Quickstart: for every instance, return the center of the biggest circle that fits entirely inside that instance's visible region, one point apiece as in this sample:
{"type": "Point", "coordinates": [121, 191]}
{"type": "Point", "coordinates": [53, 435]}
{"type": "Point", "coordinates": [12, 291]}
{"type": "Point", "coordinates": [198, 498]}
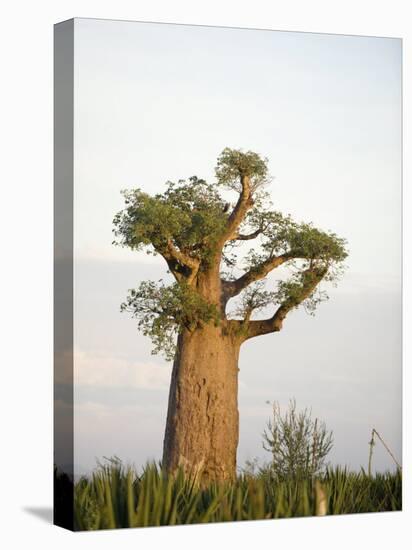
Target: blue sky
{"type": "Point", "coordinates": [159, 102]}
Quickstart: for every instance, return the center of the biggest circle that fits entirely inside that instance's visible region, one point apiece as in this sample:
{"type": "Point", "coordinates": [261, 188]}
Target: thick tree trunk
{"type": "Point", "coordinates": [202, 428]}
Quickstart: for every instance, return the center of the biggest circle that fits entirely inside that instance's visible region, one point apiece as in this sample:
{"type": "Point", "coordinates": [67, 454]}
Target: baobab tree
{"type": "Point", "coordinates": [217, 296]}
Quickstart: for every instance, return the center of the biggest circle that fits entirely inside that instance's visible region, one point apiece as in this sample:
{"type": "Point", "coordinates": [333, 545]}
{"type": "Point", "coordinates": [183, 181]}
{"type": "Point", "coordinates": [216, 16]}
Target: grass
{"type": "Point", "coordinates": [115, 497]}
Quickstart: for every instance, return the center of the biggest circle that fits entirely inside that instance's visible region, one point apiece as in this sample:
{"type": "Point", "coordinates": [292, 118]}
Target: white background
{"type": "Point", "coordinates": [26, 286]}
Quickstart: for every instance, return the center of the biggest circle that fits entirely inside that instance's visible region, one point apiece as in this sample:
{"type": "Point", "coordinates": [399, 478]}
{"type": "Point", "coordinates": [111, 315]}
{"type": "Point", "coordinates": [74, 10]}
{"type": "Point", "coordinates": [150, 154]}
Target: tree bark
{"type": "Point", "coordinates": [202, 428]}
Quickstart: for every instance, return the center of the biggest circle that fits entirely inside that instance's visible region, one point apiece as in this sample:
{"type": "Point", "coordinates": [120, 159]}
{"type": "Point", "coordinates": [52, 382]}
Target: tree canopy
{"type": "Point", "coordinates": [203, 234]}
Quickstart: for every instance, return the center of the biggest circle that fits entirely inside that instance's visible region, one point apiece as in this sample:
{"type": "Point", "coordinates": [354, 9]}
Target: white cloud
{"type": "Point", "coordinates": [101, 370]}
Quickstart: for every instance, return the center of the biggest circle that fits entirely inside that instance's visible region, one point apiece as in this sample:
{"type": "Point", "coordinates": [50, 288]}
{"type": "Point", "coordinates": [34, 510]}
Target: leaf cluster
{"type": "Point", "coordinates": [281, 235]}
{"type": "Point", "coordinates": [289, 292]}
{"type": "Point", "coordinates": [190, 214]}
{"type": "Point", "coordinates": [234, 164]}
{"type": "Point", "coordinates": [161, 310]}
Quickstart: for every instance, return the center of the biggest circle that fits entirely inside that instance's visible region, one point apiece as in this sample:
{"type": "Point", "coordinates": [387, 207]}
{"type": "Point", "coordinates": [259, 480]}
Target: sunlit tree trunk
{"type": "Point", "coordinates": [202, 428]}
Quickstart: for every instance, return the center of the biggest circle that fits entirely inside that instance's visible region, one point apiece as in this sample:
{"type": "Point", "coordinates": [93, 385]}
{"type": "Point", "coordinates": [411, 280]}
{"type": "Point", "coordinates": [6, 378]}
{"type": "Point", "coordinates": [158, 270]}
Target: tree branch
{"type": "Point", "coordinates": [275, 323]}
{"type": "Point", "coordinates": [181, 265]}
{"type": "Point", "coordinates": [244, 203]}
{"type": "Point", "coordinates": [184, 259]}
{"type": "Point", "coordinates": [249, 237]}
{"type": "Point", "coordinates": [173, 267]}
{"type": "Point", "coordinates": [233, 288]}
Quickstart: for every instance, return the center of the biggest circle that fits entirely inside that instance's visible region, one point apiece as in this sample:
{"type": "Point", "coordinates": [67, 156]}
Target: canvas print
{"type": "Point", "coordinates": [227, 274]}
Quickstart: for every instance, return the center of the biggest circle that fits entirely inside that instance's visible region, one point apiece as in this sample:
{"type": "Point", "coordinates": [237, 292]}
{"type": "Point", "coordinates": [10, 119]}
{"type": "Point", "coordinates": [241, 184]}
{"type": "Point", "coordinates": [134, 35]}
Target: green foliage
{"type": "Point", "coordinates": [281, 235]}
{"type": "Point", "coordinates": [188, 225]}
{"type": "Point", "coordinates": [233, 164]}
{"type": "Point", "coordinates": [350, 491]}
{"type": "Point", "coordinates": [311, 243]}
{"type": "Point", "coordinates": [161, 310]}
{"type": "Point", "coordinates": [189, 213]}
{"type": "Point", "coordinates": [308, 249]}
{"type": "Point", "coordinates": [289, 292]}
{"type": "Point", "coordinates": [298, 444]}
{"type": "Point", "coordinates": [117, 497]}
{"type": "Point", "coordinates": [204, 206]}
{"type": "Point", "coordinates": [254, 299]}
{"type": "Point", "coordinates": [147, 221]}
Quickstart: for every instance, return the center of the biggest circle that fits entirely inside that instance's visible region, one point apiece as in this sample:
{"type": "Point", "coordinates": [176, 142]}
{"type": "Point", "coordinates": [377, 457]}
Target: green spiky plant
{"type": "Point", "coordinates": [115, 496]}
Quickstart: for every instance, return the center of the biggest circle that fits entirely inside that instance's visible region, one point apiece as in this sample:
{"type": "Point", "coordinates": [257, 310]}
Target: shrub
{"type": "Point", "coordinates": [298, 444]}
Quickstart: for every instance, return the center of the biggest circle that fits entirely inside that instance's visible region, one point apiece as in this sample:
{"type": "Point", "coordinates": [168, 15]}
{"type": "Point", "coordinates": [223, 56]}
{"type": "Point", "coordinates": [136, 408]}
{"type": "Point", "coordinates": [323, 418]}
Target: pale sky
{"type": "Point", "coordinates": [156, 102]}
